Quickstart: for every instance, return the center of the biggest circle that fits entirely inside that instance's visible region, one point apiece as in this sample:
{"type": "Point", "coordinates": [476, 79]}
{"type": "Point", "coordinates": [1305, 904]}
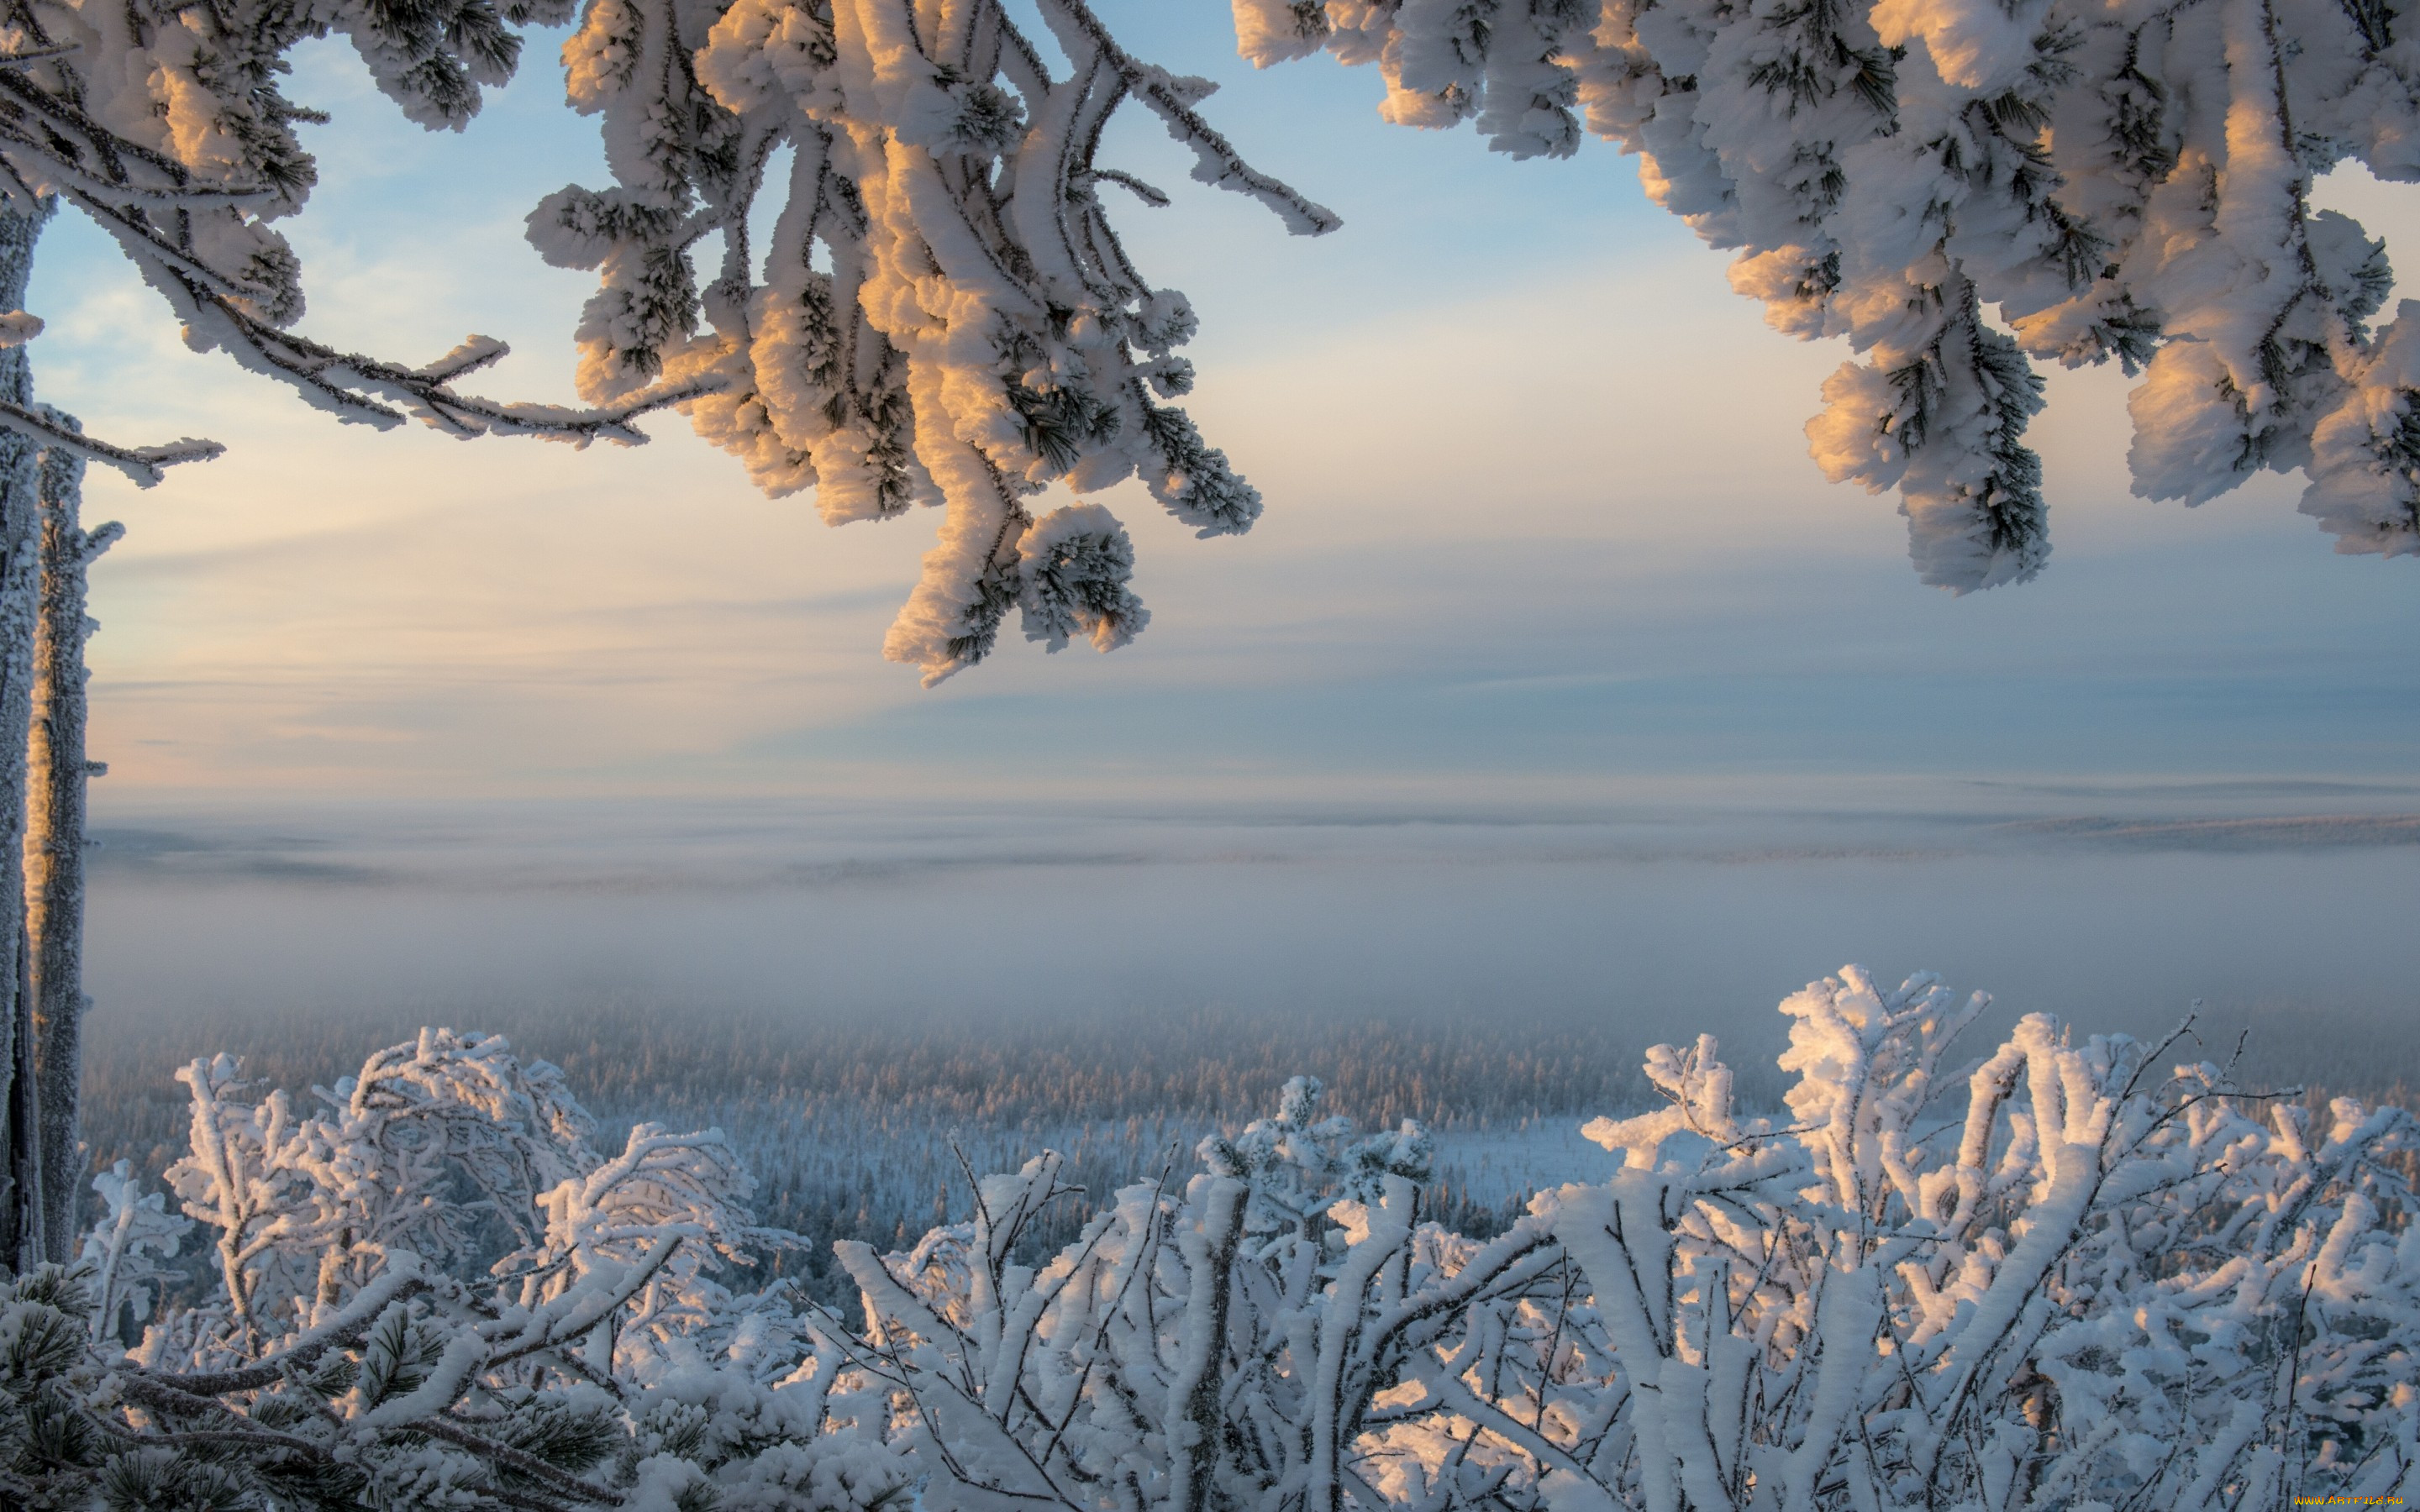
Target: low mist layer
{"type": "Point", "coordinates": [860, 994]}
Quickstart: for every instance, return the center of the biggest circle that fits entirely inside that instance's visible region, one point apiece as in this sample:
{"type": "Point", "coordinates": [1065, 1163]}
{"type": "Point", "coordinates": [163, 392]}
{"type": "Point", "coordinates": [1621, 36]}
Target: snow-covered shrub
{"type": "Point", "coordinates": [2068, 1274]}
{"type": "Point", "coordinates": [431, 1292]}
{"type": "Point", "coordinates": [2096, 1283]}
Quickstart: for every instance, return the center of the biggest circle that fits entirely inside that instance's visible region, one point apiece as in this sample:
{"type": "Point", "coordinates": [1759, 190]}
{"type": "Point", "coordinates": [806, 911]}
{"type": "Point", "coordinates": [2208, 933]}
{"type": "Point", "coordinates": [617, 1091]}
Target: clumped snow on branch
{"type": "Point", "coordinates": [2073, 1274]}
{"type": "Point", "coordinates": [945, 314]}
{"type": "Point", "coordinates": [169, 129]}
{"type": "Point", "coordinates": [2125, 181]}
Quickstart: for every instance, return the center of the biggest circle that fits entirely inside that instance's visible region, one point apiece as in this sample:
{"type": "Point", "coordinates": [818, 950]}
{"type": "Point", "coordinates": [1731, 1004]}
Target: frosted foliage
{"type": "Point", "coordinates": [944, 316]}
{"type": "Point", "coordinates": [2094, 1284]}
{"type": "Point", "coordinates": [1300, 1165]}
{"type": "Point", "coordinates": [1962, 188]}
{"type": "Point", "coordinates": [127, 1249]}
{"type": "Point", "coordinates": [2073, 1274]}
{"type": "Point", "coordinates": [366, 1344]}
{"type": "Point", "coordinates": [170, 128]}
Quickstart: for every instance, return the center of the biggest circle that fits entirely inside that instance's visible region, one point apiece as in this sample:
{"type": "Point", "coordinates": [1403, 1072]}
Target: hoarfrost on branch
{"type": "Point", "coordinates": [2081, 1272]}
{"type": "Point", "coordinates": [2126, 181]}
{"type": "Point", "coordinates": [946, 314]}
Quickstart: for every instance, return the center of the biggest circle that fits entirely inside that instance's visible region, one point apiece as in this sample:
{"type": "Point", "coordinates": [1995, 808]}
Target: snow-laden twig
{"type": "Point", "coordinates": [145, 465]}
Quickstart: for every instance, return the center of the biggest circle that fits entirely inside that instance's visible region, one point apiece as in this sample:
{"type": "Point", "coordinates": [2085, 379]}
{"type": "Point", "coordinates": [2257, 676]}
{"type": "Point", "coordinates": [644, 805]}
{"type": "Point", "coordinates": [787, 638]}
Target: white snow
{"type": "Point", "coordinates": [1840, 1305]}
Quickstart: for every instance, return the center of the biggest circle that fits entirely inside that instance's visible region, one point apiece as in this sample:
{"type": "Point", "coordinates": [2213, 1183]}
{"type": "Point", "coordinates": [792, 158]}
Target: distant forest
{"type": "Point", "coordinates": [854, 1132]}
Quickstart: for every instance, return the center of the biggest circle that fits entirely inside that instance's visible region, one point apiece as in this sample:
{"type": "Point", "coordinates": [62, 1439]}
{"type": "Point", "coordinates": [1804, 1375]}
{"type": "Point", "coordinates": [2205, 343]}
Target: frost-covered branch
{"type": "Point", "coordinates": [945, 314]}
{"type": "Point", "coordinates": [2127, 183]}
{"type": "Point", "coordinates": [142, 464]}
{"type": "Point", "coordinates": [221, 312]}
{"type": "Point", "coordinates": [169, 130]}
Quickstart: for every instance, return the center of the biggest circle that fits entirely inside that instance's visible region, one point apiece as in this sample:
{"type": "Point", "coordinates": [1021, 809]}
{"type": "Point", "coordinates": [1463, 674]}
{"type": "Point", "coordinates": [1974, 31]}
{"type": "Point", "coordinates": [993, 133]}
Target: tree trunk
{"type": "Point", "coordinates": [21, 1150]}
{"type": "Point", "coordinates": [54, 840]}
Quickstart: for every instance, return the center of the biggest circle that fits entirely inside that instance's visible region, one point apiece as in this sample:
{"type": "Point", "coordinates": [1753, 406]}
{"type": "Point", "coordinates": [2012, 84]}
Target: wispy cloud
{"type": "Point", "coordinates": [2316, 832]}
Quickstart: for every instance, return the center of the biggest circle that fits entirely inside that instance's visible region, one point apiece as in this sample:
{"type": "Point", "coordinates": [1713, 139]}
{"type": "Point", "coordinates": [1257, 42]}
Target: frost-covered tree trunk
{"type": "Point", "coordinates": [19, 579]}
{"type": "Point", "coordinates": [55, 835]}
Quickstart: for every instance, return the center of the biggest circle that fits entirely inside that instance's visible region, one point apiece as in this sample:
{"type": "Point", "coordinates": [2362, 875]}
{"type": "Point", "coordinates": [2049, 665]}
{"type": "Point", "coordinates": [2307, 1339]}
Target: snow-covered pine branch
{"type": "Point", "coordinates": [168, 129]}
{"type": "Point", "coordinates": [2072, 1274]}
{"type": "Point", "coordinates": [2127, 181]}
{"type": "Point", "coordinates": [946, 314]}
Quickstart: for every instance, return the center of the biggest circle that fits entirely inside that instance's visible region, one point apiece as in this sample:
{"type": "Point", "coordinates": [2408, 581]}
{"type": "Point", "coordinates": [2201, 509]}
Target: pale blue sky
{"type": "Point", "coordinates": [1538, 517]}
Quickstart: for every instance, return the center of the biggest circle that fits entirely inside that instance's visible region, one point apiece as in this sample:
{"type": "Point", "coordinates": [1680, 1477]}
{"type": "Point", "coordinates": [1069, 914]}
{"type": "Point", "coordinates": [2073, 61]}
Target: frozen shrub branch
{"type": "Point", "coordinates": [2071, 1273]}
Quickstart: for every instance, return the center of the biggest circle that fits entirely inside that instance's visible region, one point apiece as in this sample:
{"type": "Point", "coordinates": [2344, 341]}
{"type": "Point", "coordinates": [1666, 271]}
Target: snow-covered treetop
{"type": "Point", "coordinates": [2073, 1273]}
{"type": "Point", "coordinates": [2127, 180]}
{"type": "Point", "coordinates": [1302, 1166]}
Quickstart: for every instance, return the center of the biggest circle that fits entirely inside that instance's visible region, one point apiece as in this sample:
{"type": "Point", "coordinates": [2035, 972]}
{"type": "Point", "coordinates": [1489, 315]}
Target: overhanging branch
{"type": "Point", "coordinates": [141, 463]}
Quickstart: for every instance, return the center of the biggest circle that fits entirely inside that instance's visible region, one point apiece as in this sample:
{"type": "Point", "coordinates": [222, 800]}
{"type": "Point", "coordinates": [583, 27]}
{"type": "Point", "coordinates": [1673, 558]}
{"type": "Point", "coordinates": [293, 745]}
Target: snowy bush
{"type": "Point", "coordinates": [431, 1291]}
{"type": "Point", "coordinates": [2068, 1275]}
